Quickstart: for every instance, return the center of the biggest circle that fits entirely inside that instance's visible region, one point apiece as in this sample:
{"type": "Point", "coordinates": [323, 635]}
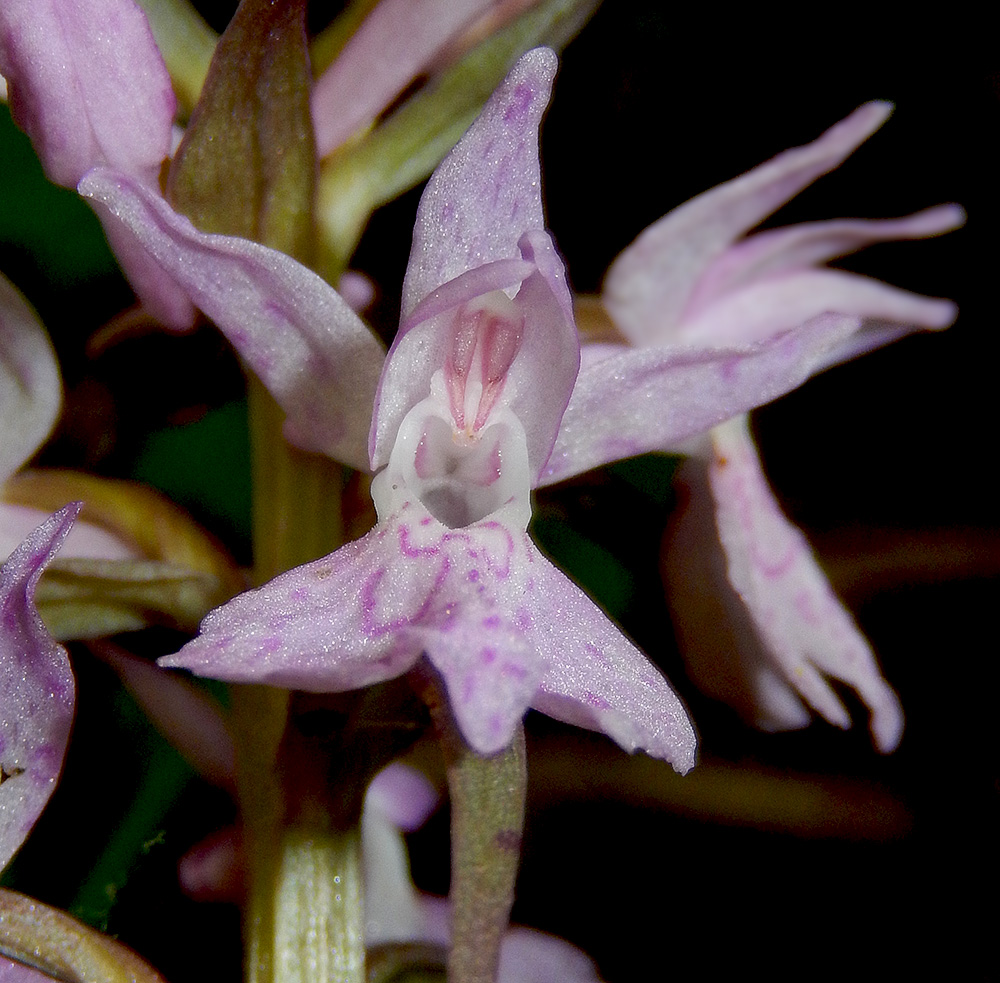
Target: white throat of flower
{"type": "Point", "coordinates": [461, 451]}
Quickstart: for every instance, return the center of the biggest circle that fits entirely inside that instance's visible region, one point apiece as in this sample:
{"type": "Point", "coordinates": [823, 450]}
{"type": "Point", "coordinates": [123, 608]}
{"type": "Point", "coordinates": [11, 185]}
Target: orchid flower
{"type": "Point", "coordinates": [467, 408]}
{"type": "Point", "coordinates": [714, 325]}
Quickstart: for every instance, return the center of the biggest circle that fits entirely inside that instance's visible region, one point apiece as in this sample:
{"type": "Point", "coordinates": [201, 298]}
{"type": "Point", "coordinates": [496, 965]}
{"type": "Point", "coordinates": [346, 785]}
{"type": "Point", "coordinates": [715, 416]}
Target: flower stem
{"type": "Point", "coordinates": [297, 496]}
{"type": "Point", "coordinates": [487, 818]}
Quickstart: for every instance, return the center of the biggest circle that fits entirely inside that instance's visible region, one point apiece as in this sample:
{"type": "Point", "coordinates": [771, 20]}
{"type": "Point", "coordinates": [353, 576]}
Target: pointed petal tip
{"type": "Point", "coordinates": [887, 723]}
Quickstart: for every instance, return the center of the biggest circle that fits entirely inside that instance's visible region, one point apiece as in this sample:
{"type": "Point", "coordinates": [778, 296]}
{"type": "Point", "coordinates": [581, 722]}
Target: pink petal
{"type": "Point", "coordinates": [486, 194]}
{"type": "Point", "coordinates": [527, 956]}
{"type": "Point", "coordinates": [403, 795]}
{"type": "Point", "coordinates": [596, 678]}
{"type": "Point", "coordinates": [798, 247]}
{"type": "Point", "coordinates": [84, 540]}
{"type": "Point", "coordinates": [539, 381]}
{"type": "Point", "coordinates": [87, 83]}
{"type": "Point", "coordinates": [652, 281]}
{"type": "Point", "coordinates": [160, 295]}
{"type": "Point", "coordinates": [769, 307]}
{"type": "Point", "coordinates": [315, 355]}
{"type": "Point", "coordinates": [36, 687]}
{"type": "Point", "coordinates": [635, 400]}
{"type": "Point", "coordinates": [30, 388]}
{"type": "Point", "coordinates": [803, 631]}
{"type": "Point", "coordinates": [396, 42]}
{"type": "Point", "coordinates": [186, 716]}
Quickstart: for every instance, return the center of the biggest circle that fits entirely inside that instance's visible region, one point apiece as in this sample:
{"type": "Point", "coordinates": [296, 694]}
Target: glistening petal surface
{"type": "Point", "coordinates": [36, 687]}
{"type": "Point", "coordinates": [315, 355]}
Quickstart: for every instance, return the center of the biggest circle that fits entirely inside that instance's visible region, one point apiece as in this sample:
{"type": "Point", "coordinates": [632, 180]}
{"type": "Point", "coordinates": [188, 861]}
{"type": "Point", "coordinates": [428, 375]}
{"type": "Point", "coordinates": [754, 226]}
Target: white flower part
{"type": "Point", "coordinates": [461, 451]}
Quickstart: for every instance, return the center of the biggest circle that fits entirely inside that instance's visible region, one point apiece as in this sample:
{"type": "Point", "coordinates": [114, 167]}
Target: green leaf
{"type": "Point", "coordinates": [247, 163]}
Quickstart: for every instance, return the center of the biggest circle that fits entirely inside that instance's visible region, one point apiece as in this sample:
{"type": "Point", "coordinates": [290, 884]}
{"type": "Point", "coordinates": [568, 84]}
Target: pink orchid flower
{"type": "Point", "coordinates": [467, 408]}
{"type": "Point", "coordinates": [36, 687]}
{"type": "Point", "coordinates": [715, 324]}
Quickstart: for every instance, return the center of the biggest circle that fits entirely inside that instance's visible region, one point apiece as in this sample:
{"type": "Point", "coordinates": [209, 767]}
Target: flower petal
{"type": "Point", "coordinates": [393, 45]}
{"type": "Point", "coordinates": [635, 400]}
{"type": "Point", "coordinates": [36, 688]}
{"type": "Point", "coordinates": [87, 83]}
{"type": "Point", "coordinates": [798, 247]}
{"type": "Point", "coordinates": [187, 717]}
{"type": "Point", "coordinates": [315, 355]}
{"type": "Point", "coordinates": [651, 282]}
{"type": "Point", "coordinates": [30, 388]}
{"type": "Point", "coordinates": [804, 630]}
{"type": "Point", "coordinates": [596, 678]}
{"type": "Point", "coordinates": [769, 307]}
{"type": "Point", "coordinates": [538, 383]}
{"type": "Point", "coordinates": [486, 193]}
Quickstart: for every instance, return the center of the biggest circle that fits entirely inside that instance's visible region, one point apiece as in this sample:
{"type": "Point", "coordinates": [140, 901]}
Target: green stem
{"type": "Point", "coordinates": [297, 496]}
{"type": "Point", "coordinates": [487, 818]}
{"type": "Point", "coordinates": [319, 922]}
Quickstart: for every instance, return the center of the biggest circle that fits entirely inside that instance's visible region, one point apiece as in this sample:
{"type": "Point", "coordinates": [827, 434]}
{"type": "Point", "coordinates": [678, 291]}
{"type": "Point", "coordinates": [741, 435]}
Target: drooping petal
{"type": "Point", "coordinates": [394, 44]}
{"type": "Point", "coordinates": [36, 688]}
{"type": "Point", "coordinates": [486, 194]}
{"type": "Point", "coordinates": [635, 400]}
{"type": "Point", "coordinates": [87, 83]}
{"type": "Point", "coordinates": [398, 798]}
{"type": "Point", "coordinates": [596, 678]}
{"type": "Point", "coordinates": [30, 388]}
{"type": "Point", "coordinates": [651, 282]}
{"type": "Point", "coordinates": [767, 254]}
{"type": "Point", "coordinates": [315, 355]}
{"type": "Point", "coordinates": [803, 628]}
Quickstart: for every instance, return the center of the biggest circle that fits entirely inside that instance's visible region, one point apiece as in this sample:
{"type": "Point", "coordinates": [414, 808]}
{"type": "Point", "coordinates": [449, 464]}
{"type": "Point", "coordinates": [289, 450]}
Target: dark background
{"type": "Point", "coordinates": [890, 864]}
